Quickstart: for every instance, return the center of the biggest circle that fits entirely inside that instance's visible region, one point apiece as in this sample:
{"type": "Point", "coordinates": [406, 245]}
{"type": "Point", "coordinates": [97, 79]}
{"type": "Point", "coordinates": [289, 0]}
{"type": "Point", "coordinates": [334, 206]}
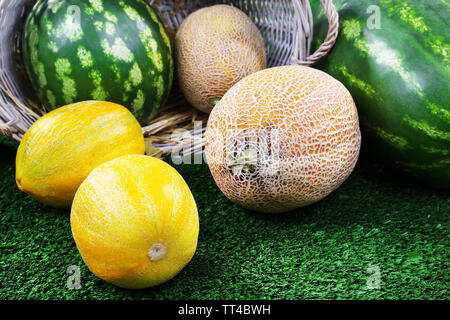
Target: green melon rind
{"type": "Point", "coordinates": [398, 76]}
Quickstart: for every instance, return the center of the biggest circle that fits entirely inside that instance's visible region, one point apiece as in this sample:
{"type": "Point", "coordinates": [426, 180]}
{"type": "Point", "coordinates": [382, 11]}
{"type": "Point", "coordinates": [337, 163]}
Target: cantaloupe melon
{"type": "Point", "coordinates": [283, 138]}
{"type": "Point", "coordinates": [216, 47]}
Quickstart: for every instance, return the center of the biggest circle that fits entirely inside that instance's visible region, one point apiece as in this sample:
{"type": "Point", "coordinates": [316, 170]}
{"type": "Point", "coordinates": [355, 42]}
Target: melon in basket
{"type": "Point", "coordinates": [82, 50]}
{"type": "Point", "coordinates": [216, 47]}
{"type": "Point", "coordinates": [283, 138]}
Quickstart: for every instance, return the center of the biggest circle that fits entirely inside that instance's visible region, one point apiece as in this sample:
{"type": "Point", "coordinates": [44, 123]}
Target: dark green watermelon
{"type": "Point", "coordinates": [119, 51]}
{"type": "Point", "coordinates": [394, 57]}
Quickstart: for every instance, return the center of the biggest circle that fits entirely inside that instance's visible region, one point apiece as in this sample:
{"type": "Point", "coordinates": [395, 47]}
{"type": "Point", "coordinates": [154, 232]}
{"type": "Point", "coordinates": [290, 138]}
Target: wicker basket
{"type": "Point", "coordinates": [286, 25]}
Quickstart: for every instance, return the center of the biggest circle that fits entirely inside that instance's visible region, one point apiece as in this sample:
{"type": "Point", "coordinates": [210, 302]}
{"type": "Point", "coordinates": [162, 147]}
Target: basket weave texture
{"type": "Point", "coordinates": [286, 26]}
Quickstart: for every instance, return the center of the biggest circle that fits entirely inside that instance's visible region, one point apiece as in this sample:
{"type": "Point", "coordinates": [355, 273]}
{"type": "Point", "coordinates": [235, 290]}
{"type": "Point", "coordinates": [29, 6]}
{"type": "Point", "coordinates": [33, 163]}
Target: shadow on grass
{"type": "Point", "coordinates": [8, 149]}
{"type": "Point", "coordinates": [198, 271]}
{"type": "Point", "coordinates": [374, 169]}
{"type": "Point", "coordinates": [374, 193]}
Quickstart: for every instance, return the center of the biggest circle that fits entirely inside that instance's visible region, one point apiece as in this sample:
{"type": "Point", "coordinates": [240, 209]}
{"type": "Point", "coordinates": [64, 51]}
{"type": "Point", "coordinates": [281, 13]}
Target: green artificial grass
{"type": "Point", "coordinates": [319, 252]}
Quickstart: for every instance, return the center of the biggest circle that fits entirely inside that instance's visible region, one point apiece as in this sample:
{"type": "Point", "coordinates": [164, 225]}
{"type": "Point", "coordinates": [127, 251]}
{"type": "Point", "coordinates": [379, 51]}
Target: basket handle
{"type": "Point", "coordinates": [304, 17]}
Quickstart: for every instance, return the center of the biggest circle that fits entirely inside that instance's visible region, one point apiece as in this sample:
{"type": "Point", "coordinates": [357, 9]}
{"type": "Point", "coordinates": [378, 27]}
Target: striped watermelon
{"type": "Point", "coordinates": [119, 51]}
{"type": "Point", "coordinates": [393, 56]}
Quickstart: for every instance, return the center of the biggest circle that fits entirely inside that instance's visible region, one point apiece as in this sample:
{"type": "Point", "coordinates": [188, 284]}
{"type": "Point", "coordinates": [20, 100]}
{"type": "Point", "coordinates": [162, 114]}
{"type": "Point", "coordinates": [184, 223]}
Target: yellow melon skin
{"type": "Point", "coordinates": [60, 149]}
{"type": "Point", "coordinates": [216, 47]}
{"type": "Point", "coordinates": [135, 222]}
{"type": "Point", "coordinates": [283, 138]}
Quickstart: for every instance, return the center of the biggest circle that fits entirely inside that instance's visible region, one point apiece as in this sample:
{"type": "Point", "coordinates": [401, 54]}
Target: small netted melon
{"type": "Point", "coordinates": [216, 47]}
{"type": "Point", "coordinates": [283, 138]}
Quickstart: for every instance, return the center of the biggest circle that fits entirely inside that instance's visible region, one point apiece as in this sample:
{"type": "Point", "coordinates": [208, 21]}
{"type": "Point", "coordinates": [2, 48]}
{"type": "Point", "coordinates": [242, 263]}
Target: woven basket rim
{"type": "Point", "coordinates": [17, 113]}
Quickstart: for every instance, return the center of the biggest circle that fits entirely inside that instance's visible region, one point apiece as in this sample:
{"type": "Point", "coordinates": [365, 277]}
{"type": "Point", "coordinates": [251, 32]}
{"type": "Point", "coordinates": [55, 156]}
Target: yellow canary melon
{"type": "Point", "coordinates": [216, 47]}
{"type": "Point", "coordinates": [60, 149]}
{"type": "Point", "coordinates": [135, 222]}
{"type": "Point", "coordinates": [283, 138]}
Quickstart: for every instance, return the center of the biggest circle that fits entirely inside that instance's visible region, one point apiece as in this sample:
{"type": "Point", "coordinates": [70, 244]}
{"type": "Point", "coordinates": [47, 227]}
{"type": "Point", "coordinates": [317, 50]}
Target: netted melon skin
{"type": "Point", "coordinates": [304, 126]}
{"type": "Point", "coordinates": [216, 47]}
